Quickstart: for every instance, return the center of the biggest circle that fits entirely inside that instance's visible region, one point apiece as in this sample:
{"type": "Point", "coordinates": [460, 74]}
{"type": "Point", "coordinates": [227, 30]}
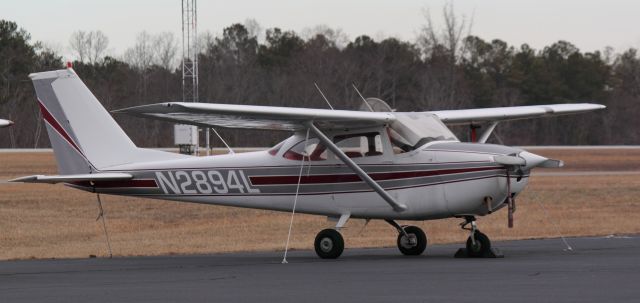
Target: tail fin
{"type": "Point", "coordinates": [83, 135]}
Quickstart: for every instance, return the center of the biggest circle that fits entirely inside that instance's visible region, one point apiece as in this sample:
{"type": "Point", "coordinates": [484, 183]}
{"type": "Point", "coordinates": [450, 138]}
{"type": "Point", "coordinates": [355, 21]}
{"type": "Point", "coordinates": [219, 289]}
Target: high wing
{"type": "Point", "coordinates": [257, 117]}
{"type": "Point", "coordinates": [494, 114]}
{"type": "Point", "coordinates": [292, 118]}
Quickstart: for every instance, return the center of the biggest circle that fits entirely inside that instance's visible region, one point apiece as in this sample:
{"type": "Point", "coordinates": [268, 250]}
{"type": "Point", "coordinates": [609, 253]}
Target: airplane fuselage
{"type": "Point", "coordinates": [439, 180]}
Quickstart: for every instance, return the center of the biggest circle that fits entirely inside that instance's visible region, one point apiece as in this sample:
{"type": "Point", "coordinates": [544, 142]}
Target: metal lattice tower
{"type": "Point", "coordinates": [190, 52]}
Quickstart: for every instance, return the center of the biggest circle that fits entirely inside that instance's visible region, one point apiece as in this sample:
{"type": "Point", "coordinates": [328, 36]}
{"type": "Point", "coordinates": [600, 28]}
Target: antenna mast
{"type": "Point", "coordinates": [190, 53]}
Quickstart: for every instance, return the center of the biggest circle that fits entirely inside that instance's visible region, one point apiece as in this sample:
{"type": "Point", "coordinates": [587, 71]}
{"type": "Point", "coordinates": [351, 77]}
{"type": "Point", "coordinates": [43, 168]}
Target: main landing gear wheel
{"type": "Point", "coordinates": [329, 244]}
{"type": "Point", "coordinates": [479, 246]}
{"type": "Point", "coordinates": [413, 245]}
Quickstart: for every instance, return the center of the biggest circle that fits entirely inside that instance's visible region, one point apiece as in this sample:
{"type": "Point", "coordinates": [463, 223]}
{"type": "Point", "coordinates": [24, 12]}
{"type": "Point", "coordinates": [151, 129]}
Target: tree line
{"type": "Point", "coordinates": [446, 68]}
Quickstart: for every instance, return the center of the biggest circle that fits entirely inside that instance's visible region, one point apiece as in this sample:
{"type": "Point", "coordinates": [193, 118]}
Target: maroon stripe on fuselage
{"type": "Point", "coordinates": [342, 178]}
{"type": "Point", "coordinates": [118, 184]}
{"type": "Point", "coordinates": [54, 123]}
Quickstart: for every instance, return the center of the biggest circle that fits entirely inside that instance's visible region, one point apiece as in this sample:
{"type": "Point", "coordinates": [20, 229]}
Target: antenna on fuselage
{"type": "Point", "coordinates": [323, 96]}
{"type": "Point", "coordinates": [361, 96]}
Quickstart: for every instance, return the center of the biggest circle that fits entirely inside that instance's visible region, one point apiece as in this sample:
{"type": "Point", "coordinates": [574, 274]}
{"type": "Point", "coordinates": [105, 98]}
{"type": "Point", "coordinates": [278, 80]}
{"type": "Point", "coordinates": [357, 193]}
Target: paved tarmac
{"type": "Point", "coordinates": [604, 269]}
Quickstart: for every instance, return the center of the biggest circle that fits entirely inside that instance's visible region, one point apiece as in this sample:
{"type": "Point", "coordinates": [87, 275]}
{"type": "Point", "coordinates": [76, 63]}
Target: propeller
{"type": "Point", "coordinates": [521, 161]}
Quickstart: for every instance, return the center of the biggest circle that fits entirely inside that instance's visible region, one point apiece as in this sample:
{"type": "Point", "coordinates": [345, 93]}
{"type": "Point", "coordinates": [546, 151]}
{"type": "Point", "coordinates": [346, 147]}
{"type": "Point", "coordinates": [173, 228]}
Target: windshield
{"type": "Point", "coordinates": [412, 130]}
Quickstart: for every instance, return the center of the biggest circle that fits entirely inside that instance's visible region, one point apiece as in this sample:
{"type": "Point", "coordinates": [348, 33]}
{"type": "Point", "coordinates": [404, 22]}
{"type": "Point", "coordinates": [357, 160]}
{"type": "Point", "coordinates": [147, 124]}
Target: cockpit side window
{"type": "Point", "coordinates": [360, 145]}
{"type": "Point", "coordinates": [398, 143]}
{"type": "Point", "coordinates": [314, 151]}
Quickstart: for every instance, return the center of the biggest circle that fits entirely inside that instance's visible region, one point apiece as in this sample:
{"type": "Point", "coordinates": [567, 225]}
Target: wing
{"type": "Point", "coordinates": [467, 116]}
{"type": "Point", "coordinates": [257, 117]}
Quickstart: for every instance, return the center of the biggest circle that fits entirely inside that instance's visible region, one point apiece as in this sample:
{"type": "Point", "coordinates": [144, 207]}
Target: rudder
{"type": "Point", "coordinates": [84, 136]}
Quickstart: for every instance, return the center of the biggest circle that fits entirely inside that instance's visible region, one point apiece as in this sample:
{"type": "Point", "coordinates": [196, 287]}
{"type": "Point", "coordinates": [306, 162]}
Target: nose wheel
{"type": "Point", "coordinates": [329, 244]}
{"type": "Point", "coordinates": [478, 244]}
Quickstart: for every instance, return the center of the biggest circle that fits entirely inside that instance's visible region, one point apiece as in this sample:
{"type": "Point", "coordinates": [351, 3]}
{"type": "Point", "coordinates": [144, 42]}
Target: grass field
{"type": "Point", "coordinates": [53, 221]}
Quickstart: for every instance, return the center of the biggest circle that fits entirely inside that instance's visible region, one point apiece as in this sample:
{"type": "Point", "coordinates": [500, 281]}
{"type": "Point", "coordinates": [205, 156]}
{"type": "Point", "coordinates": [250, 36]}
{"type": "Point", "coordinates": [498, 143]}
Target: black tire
{"type": "Point", "coordinates": [329, 244]}
{"type": "Point", "coordinates": [421, 241]}
{"type": "Point", "coordinates": [482, 245]}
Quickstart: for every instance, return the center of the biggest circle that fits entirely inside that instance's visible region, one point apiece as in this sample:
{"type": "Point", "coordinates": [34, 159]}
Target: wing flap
{"type": "Point", "coordinates": [73, 178]}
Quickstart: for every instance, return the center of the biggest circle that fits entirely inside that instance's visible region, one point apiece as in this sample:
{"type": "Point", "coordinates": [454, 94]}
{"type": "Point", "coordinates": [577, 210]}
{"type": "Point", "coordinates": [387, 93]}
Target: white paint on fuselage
{"type": "Point", "coordinates": [423, 203]}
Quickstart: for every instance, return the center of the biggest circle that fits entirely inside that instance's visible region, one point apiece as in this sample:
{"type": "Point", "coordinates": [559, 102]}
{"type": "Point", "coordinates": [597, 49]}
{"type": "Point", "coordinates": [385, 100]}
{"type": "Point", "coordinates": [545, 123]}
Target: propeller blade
{"type": "Point", "coordinates": [509, 160]}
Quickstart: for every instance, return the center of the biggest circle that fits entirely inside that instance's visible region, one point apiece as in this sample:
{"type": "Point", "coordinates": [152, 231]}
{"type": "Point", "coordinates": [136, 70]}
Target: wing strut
{"type": "Point", "coordinates": [485, 135]}
{"type": "Point", "coordinates": [361, 173]}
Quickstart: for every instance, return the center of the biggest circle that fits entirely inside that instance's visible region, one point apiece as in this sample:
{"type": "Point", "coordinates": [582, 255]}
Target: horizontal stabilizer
{"type": "Point", "coordinates": [73, 178]}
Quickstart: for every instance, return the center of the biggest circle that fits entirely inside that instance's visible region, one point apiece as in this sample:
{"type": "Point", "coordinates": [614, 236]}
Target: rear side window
{"type": "Point", "coordinates": [274, 150]}
{"type": "Point", "coordinates": [314, 151]}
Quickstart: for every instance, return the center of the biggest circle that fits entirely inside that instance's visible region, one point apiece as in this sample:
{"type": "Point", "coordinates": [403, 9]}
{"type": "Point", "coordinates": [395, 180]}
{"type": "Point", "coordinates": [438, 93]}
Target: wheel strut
{"type": "Point", "coordinates": [412, 238]}
{"type": "Point", "coordinates": [470, 220]}
{"type": "Point", "coordinates": [478, 244]}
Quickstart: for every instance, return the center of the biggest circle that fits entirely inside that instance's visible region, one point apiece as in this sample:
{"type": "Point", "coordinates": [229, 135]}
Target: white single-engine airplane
{"type": "Point", "coordinates": [338, 163]}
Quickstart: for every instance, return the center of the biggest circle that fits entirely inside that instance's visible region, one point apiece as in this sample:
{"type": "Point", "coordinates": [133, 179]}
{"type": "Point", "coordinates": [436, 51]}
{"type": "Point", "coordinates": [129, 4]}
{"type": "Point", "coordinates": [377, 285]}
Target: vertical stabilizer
{"type": "Point", "coordinates": [84, 136]}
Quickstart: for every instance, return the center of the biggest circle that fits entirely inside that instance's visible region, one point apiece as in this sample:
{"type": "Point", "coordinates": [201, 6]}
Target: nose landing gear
{"type": "Point", "coordinates": [478, 244]}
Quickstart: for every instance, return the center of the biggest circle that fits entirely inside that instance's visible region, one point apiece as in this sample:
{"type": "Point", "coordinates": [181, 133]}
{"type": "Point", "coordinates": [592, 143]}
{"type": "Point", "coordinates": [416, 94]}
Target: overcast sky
{"type": "Point", "coordinates": [591, 25]}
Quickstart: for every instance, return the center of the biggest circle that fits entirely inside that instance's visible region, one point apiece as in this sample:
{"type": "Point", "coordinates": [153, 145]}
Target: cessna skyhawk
{"type": "Point", "coordinates": [337, 163]}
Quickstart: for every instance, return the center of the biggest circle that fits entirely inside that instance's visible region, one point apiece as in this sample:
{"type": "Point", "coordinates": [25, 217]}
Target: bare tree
{"type": "Point", "coordinates": [165, 48]}
{"type": "Point", "coordinates": [89, 46]}
{"type": "Point", "coordinates": [206, 39]}
{"type": "Point", "coordinates": [98, 43]}
{"type": "Point", "coordinates": [450, 37]}
{"type": "Point", "coordinates": [254, 29]}
{"type": "Point", "coordinates": [141, 55]}
{"type": "Point", "coordinates": [446, 43]}
{"type": "Point", "coordinates": [78, 45]}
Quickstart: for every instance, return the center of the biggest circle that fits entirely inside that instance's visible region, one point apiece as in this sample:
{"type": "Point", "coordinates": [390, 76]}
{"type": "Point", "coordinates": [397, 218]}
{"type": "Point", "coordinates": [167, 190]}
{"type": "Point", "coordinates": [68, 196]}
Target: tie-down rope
{"type": "Point", "coordinates": [295, 199]}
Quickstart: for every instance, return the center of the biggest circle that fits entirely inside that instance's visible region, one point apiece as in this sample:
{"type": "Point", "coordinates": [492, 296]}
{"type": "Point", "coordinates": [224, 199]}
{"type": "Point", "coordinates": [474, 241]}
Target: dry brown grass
{"type": "Point", "coordinates": [595, 159]}
{"type": "Point", "coordinates": [53, 221]}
